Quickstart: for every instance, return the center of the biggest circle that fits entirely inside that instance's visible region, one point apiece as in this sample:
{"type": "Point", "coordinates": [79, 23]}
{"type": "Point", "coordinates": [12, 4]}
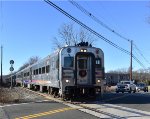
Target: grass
{"type": "Point", "coordinates": [8, 95]}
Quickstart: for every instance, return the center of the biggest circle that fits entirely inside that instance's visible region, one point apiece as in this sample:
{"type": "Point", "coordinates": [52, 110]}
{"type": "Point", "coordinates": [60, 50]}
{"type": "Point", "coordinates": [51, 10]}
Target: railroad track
{"type": "Point", "coordinates": [75, 104]}
{"type": "Point", "coordinates": [99, 108]}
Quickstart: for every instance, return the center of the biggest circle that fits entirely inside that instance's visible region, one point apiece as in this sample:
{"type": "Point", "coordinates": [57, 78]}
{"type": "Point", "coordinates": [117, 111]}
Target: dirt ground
{"type": "Point", "coordinates": [17, 95]}
{"type": "Point", "coordinates": [21, 95]}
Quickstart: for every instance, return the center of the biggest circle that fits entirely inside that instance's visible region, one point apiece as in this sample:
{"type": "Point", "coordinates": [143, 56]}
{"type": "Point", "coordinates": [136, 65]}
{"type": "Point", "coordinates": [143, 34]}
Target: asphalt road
{"type": "Point", "coordinates": [139, 100]}
{"type": "Point", "coordinates": [54, 110]}
{"type": "Point", "coordinates": [44, 110]}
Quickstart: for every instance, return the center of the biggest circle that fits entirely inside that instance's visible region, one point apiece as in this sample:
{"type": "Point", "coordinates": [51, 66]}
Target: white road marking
{"type": "Point", "coordinates": [115, 111]}
{"type": "Point", "coordinates": [104, 110]}
{"type": "Point", "coordinates": [107, 110]}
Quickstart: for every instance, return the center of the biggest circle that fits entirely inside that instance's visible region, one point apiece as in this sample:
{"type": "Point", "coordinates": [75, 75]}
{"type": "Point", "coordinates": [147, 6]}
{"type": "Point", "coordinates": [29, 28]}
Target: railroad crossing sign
{"type": "Point", "coordinates": [11, 68]}
{"type": "Point", "coordinates": [11, 61]}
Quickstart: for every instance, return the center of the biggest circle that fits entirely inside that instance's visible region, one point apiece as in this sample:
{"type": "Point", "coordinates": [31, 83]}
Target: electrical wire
{"type": "Point", "coordinates": [91, 30]}
{"type": "Point", "coordinates": [139, 51]}
{"type": "Point", "coordinates": [82, 9]}
{"type": "Point", "coordinates": [86, 27]}
{"type": "Point", "coordinates": [96, 19]}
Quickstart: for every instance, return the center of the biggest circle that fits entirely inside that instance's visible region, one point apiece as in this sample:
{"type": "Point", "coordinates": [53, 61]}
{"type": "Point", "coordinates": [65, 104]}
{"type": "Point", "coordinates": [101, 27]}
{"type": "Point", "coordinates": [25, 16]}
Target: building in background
{"type": "Point", "coordinates": [114, 78]}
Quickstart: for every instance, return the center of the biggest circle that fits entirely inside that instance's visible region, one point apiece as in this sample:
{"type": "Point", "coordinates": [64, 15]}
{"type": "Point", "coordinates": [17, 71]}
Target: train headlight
{"type": "Point", "coordinates": [83, 50]}
{"type": "Point", "coordinates": [98, 81]}
{"type": "Point", "coordinates": [67, 81]}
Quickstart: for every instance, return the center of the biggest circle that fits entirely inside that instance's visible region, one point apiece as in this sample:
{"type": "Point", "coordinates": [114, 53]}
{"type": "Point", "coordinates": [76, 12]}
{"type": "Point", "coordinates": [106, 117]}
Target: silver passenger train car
{"type": "Point", "coordinates": [72, 71]}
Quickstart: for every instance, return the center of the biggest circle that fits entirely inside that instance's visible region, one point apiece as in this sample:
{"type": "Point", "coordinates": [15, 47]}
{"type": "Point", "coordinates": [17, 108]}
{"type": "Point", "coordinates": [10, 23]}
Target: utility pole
{"type": "Point", "coordinates": [131, 62]}
{"type": "Point", "coordinates": [1, 81]}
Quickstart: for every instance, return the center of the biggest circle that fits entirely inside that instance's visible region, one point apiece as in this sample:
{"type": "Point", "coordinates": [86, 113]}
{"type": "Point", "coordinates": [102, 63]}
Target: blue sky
{"type": "Point", "coordinates": [28, 28]}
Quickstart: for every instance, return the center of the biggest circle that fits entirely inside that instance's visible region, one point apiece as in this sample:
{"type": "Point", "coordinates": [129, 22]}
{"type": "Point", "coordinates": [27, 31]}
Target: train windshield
{"type": "Point", "coordinates": [68, 61]}
{"type": "Point", "coordinates": [82, 63]}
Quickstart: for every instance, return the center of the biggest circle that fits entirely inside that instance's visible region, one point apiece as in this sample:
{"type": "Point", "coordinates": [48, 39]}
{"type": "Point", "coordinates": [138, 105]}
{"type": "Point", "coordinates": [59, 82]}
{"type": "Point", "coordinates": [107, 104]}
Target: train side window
{"type": "Point", "coordinates": [39, 70]}
{"type": "Point", "coordinates": [24, 74]}
{"type": "Point", "coordinates": [68, 61]}
{"type": "Point", "coordinates": [98, 62]}
{"type": "Point", "coordinates": [27, 73]}
{"type": "Point", "coordinates": [47, 69]}
{"type": "Point", "coordinates": [36, 71]}
{"type": "Point", "coordinates": [43, 70]}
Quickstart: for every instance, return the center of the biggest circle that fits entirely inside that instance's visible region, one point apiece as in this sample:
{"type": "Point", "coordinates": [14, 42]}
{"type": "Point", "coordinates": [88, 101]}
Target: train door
{"type": "Point", "coordinates": [85, 69]}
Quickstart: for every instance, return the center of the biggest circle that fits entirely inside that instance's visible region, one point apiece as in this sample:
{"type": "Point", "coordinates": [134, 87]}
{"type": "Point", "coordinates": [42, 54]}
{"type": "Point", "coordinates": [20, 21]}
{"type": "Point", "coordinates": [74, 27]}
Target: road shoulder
{"type": "Point", "coordinates": [3, 114]}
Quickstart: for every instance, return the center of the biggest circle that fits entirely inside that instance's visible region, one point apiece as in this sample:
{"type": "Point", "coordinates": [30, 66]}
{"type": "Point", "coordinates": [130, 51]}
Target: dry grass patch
{"type": "Point", "coordinates": [8, 95]}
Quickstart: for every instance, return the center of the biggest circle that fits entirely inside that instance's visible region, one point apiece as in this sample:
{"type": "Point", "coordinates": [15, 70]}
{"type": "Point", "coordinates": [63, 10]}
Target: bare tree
{"type": "Point", "coordinates": [67, 35]}
{"type": "Point", "coordinates": [31, 61]}
{"type": "Point", "coordinates": [141, 75]}
{"type": "Point", "coordinates": [121, 70]}
{"type": "Point", "coordinates": [85, 36]}
{"type": "Point", "coordinates": [24, 66]}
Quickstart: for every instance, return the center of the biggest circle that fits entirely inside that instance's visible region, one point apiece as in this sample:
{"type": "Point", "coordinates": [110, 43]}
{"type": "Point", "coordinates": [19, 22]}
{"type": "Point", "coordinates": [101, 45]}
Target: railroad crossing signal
{"type": "Point", "coordinates": [11, 68]}
{"type": "Point", "coordinates": [11, 61]}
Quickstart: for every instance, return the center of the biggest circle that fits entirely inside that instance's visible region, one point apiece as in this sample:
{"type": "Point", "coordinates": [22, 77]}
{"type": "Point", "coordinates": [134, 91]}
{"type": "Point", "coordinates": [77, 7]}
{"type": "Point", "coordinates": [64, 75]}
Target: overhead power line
{"type": "Point", "coordinates": [82, 9]}
{"type": "Point", "coordinates": [138, 61]}
{"type": "Point", "coordinates": [91, 30]}
{"type": "Point", "coordinates": [96, 19]}
{"type": "Point", "coordinates": [86, 27]}
{"type": "Point", "coordinates": [104, 25]}
{"type": "Point", "coordinates": [139, 51]}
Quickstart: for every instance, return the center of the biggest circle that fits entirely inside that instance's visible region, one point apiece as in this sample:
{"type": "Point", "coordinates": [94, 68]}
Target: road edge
{"type": "Point", "coordinates": [3, 115]}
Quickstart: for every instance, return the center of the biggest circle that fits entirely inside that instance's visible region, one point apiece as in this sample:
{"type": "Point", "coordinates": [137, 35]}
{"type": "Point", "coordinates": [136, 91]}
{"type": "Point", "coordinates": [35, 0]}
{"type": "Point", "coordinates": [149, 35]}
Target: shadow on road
{"type": "Point", "coordinates": [126, 98]}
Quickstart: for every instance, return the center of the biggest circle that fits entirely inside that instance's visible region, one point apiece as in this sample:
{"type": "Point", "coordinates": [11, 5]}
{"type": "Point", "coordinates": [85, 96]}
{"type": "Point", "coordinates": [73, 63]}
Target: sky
{"type": "Point", "coordinates": [27, 28]}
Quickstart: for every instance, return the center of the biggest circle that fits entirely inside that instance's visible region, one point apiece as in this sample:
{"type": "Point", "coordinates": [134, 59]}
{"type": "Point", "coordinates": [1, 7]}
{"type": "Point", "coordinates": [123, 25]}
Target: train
{"type": "Point", "coordinates": [70, 72]}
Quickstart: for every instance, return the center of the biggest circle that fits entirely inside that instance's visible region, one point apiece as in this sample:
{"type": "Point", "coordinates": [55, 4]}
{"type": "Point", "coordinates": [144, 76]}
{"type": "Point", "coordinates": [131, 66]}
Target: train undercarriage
{"type": "Point", "coordinates": [70, 93]}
